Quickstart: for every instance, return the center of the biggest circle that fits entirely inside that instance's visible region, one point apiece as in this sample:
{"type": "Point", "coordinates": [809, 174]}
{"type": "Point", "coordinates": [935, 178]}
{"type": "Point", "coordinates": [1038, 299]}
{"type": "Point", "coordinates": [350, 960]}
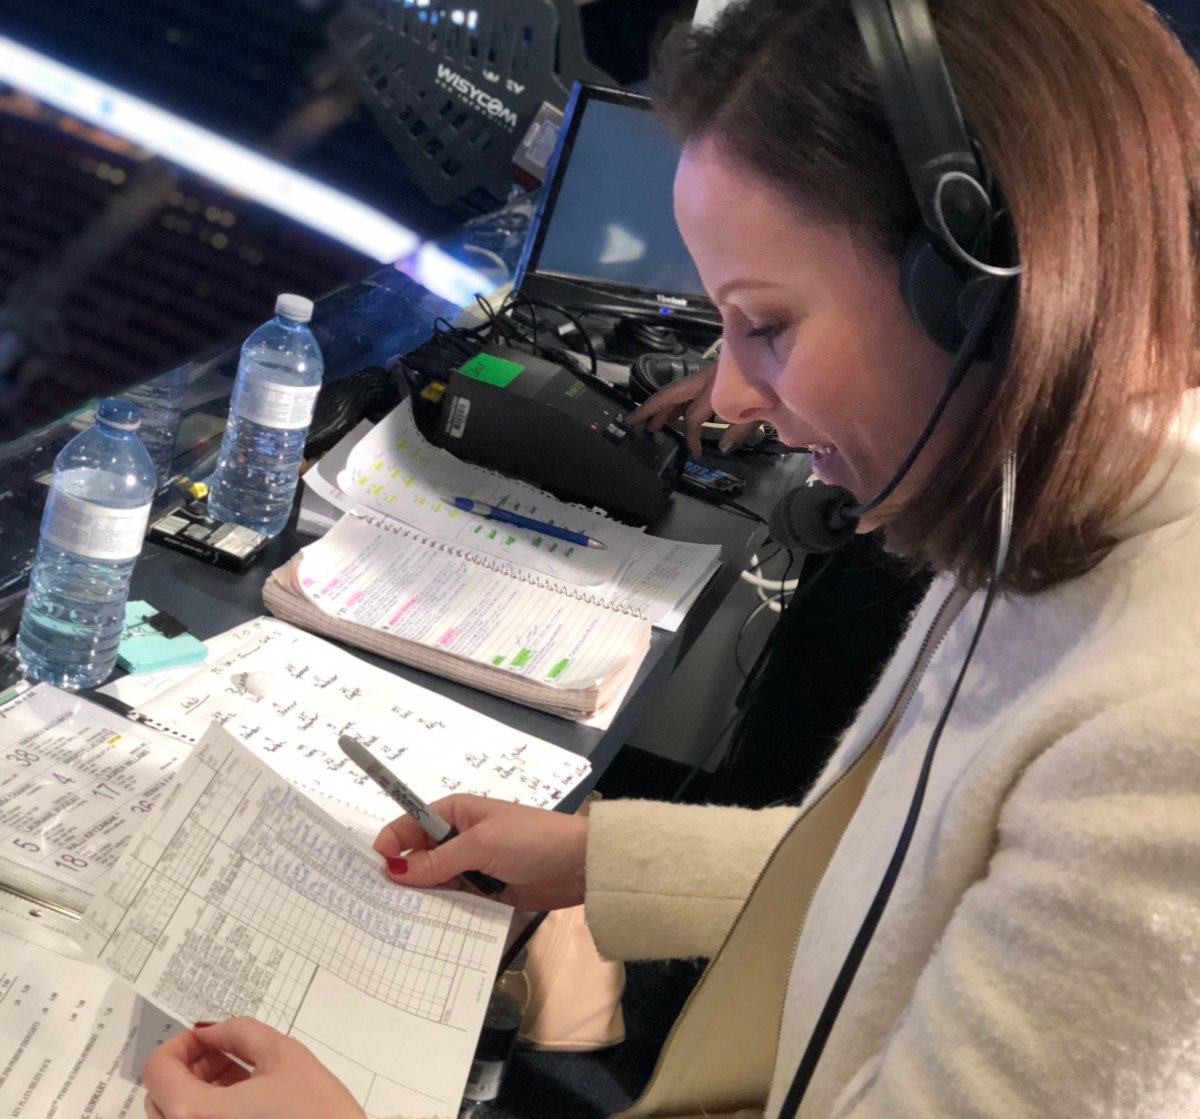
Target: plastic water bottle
{"type": "Point", "coordinates": [278, 379]}
{"type": "Point", "coordinates": [161, 403]}
{"type": "Point", "coordinates": [92, 530]}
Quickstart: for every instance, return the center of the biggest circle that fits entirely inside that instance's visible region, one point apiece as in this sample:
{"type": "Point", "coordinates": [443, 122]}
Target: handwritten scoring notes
{"type": "Point", "coordinates": [288, 695]}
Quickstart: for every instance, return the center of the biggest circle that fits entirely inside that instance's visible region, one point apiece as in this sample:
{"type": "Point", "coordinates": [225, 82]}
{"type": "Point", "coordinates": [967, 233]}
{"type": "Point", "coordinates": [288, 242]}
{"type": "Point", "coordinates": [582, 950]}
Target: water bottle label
{"type": "Point", "coordinates": [272, 404]}
{"type": "Point", "coordinates": [92, 530]}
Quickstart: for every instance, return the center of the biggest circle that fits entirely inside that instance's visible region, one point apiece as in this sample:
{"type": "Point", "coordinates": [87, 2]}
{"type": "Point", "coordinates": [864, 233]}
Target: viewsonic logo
{"type": "Point", "coordinates": [487, 103]}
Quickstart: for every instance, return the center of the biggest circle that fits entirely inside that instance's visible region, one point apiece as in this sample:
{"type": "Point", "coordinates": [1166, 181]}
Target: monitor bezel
{"type": "Point", "coordinates": [585, 293]}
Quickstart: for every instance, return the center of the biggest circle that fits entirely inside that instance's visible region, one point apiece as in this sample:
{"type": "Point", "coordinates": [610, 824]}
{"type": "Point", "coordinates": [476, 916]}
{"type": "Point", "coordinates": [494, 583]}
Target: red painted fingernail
{"type": "Point", "coordinates": [201, 1025]}
{"type": "Point", "coordinates": [397, 865]}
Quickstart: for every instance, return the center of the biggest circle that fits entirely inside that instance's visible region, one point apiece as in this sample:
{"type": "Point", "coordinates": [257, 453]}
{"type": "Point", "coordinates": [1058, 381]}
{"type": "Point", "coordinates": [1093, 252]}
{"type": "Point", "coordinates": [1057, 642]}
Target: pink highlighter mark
{"type": "Point", "coordinates": [401, 612]}
{"type": "Point", "coordinates": [307, 581]}
{"type": "Point", "coordinates": [354, 598]}
{"type": "Point", "coordinates": [332, 585]}
{"type": "Point", "coordinates": [446, 637]}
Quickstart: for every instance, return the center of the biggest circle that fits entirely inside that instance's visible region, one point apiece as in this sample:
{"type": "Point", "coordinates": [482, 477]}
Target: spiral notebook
{"type": "Point", "coordinates": [381, 585]}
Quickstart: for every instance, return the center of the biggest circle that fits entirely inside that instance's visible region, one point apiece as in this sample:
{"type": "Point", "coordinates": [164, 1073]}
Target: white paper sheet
{"type": "Point", "coordinates": [373, 572]}
{"type": "Point", "coordinates": [322, 502]}
{"type": "Point", "coordinates": [72, 1037]}
{"type": "Point", "coordinates": [243, 897]}
{"type": "Point", "coordinates": [288, 695]}
{"type": "Point", "coordinates": [75, 784]}
{"type": "Point", "coordinates": [395, 471]}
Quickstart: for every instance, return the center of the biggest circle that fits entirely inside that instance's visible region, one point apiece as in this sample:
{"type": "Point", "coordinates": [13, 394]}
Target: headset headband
{"type": "Point", "coordinates": [950, 186]}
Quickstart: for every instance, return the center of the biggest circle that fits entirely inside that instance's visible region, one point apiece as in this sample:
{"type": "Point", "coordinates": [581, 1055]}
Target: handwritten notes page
{"type": "Point", "coordinates": [72, 1038]}
{"type": "Point", "coordinates": [397, 472]}
{"type": "Point", "coordinates": [394, 471]}
{"type": "Point", "coordinates": [288, 695]}
{"type": "Point", "coordinates": [456, 615]}
{"type": "Point", "coordinates": [245, 898]}
{"type": "Point", "coordinates": [75, 783]}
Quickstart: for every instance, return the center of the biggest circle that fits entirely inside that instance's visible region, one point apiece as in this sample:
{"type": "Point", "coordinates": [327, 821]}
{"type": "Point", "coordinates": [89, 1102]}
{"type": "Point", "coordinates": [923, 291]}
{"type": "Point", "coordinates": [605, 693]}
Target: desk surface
{"type": "Point", "coordinates": [209, 600]}
{"type": "Point", "coordinates": [361, 324]}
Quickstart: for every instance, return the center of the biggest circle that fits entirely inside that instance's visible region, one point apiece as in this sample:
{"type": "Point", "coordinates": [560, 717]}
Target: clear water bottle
{"type": "Point", "coordinates": [161, 403]}
{"type": "Point", "coordinates": [92, 531]}
{"type": "Point", "coordinates": [278, 379]}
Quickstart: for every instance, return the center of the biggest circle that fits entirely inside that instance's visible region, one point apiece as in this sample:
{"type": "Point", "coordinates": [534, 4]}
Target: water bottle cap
{"type": "Point", "coordinates": [124, 415]}
{"type": "Point", "coordinates": [295, 307]}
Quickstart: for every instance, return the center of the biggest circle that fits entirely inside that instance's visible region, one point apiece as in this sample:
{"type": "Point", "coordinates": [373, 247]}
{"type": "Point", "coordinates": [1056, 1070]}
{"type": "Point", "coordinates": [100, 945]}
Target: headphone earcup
{"type": "Point", "coordinates": [931, 287]}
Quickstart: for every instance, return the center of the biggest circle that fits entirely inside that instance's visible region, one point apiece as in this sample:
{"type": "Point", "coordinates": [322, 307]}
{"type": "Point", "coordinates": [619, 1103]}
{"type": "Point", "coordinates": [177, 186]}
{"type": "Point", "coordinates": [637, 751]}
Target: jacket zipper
{"type": "Point", "coordinates": [929, 646]}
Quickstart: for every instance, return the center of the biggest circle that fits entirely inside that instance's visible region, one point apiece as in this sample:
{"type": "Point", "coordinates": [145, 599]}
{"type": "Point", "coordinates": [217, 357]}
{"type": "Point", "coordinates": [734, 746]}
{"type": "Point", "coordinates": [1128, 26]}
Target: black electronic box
{"type": "Point", "coordinates": [526, 416]}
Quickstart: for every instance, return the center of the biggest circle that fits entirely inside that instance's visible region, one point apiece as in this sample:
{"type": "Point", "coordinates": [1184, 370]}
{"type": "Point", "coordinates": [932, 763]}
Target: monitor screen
{"type": "Point", "coordinates": [605, 220]}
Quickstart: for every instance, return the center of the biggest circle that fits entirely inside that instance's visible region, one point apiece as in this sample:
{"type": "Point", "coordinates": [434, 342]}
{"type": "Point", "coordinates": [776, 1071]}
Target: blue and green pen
{"type": "Point", "coordinates": [495, 513]}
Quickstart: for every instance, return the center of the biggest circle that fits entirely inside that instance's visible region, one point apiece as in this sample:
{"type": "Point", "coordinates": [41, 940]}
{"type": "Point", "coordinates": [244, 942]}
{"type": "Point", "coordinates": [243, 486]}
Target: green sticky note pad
{"type": "Point", "coordinates": [491, 370]}
{"type": "Point", "coordinates": [146, 646]}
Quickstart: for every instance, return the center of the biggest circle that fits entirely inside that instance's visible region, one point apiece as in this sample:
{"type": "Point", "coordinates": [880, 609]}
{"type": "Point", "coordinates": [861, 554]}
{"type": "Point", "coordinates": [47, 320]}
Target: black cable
{"type": "Point", "coordinates": [493, 319]}
{"type": "Point", "coordinates": [506, 308]}
{"type": "Point", "coordinates": [573, 320]}
{"type": "Point", "coordinates": [523, 938]}
{"type": "Point", "coordinates": [804, 584]}
{"type": "Point", "coordinates": [754, 613]}
{"type": "Point", "coordinates": [744, 510]}
{"type": "Point", "coordinates": [763, 562]}
{"type": "Point", "coordinates": [849, 968]}
{"type": "Point", "coordinates": [971, 344]}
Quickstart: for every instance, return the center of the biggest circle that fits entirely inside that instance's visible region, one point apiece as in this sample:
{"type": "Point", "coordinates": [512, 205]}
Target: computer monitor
{"type": "Point", "coordinates": [603, 236]}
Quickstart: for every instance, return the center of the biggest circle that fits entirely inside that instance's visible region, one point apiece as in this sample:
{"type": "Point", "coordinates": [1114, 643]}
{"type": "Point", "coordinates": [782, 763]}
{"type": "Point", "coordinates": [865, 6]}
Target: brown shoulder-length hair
{"type": "Point", "coordinates": [1088, 112]}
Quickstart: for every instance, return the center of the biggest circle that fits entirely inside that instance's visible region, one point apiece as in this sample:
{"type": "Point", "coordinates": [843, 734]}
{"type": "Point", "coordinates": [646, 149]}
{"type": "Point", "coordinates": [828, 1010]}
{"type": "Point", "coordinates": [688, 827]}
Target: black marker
{"type": "Point", "coordinates": [435, 827]}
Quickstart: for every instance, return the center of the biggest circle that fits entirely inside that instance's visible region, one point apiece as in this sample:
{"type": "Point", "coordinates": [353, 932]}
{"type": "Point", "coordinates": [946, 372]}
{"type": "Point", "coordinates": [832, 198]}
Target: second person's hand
{"type": "Point", "coordinates": [193, 1076]}
{"type": "Point", "coordinates": [540, 854]}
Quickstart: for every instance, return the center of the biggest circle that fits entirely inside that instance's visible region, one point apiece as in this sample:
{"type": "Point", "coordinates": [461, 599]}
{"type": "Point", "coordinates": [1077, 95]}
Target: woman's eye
{"type": "Point", "coordinates": [768, 331]}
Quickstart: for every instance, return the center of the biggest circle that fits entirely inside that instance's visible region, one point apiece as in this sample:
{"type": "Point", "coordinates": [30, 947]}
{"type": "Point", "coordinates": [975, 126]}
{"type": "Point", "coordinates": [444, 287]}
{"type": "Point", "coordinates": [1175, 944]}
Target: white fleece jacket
{"type": "Point", "coordinates": [1040, 955]}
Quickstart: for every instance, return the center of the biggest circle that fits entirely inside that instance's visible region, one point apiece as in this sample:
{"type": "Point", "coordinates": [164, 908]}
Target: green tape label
{"type": "Point", "coordinates": [491, 370]}
{"type": "Point", "coordinates": [522, 658]}
{"type": "Point", "coordinates": [557, 669]}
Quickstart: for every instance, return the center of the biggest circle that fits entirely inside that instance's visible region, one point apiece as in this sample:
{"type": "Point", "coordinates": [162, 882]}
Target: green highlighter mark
{"type": "Point", "coordinates": [557, 669]}
{"type": "Point", "coordinates": [497, 660]}
{"type": "Point", "coordinates": [537, 541]}
{"type": "Point", "coordinates": [492, 535]}
{"type": "Point", "coordinates": [510, 541]}
{"type": "Point", "coordinates": [522, 658]}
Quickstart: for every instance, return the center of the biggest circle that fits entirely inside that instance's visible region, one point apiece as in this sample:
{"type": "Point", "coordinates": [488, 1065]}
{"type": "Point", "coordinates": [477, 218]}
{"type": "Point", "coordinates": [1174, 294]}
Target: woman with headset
{"type": "Point", "coordinates": [991, 349]}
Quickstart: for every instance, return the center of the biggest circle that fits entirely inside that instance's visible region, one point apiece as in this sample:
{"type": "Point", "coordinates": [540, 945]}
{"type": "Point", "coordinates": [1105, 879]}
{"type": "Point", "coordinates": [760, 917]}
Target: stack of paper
{"type": "Point", "coordinates": [377, 585]}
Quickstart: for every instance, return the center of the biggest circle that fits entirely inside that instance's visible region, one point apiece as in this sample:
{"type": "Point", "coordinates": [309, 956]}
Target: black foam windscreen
{"type": "Point", "coordinates": [813, 519]}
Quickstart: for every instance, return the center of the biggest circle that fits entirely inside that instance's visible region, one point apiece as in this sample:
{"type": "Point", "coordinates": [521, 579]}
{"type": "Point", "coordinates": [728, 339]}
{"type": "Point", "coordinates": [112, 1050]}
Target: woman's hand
{"type": "Point", "coordinates": [540, 854]}
{"type": "Point", "coordinates": [191, 1077]}
{"type": "Point", "coordinates": [690, 398]}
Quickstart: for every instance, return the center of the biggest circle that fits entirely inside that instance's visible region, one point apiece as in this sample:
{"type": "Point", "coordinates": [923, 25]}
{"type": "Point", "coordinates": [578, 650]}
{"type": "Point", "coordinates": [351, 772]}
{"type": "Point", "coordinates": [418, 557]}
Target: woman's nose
{"type": "Point", "coordinates": [736, 397]}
